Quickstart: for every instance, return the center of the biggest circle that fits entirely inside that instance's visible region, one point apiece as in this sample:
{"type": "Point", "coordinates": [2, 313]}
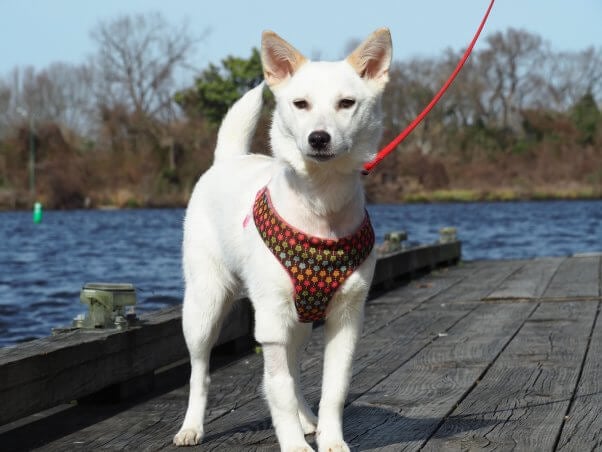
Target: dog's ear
{"type": "Point", "coordinates": [280, 59]}
{"type": "Point", "coordinates": [372, 58]}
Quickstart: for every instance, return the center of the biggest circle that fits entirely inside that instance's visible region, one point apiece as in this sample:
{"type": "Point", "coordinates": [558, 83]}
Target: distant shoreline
{"type": "Point", "coordinates": [421, 197]}
{"type": "Point", "coordinates": [502, 195]}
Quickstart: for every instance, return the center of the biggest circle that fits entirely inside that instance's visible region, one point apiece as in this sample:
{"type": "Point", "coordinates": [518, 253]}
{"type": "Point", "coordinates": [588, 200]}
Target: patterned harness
{"type": "Point", "coordinates": [317, 267]}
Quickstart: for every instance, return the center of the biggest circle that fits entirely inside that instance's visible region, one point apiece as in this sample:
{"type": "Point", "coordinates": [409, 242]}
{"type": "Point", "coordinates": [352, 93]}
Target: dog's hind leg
{"type": "Point", "coordinates": [300, 337]}
{"type": "Point", "coordinates": [206, 302]}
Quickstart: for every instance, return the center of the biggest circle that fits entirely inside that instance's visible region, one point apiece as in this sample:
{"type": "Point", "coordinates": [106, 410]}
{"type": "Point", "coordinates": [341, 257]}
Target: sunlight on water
{"type": "Point", "coordinates": [43, 266]}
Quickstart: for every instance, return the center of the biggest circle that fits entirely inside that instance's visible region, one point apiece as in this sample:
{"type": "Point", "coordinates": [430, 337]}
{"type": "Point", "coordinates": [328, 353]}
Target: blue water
{"type": "Point", "coordinates": [43, 267]}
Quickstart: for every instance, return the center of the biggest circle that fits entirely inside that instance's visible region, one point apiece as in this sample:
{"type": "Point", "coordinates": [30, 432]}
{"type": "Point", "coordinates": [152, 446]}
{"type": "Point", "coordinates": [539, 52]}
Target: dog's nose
{"type": "Point", "coordinates": [319, 139]}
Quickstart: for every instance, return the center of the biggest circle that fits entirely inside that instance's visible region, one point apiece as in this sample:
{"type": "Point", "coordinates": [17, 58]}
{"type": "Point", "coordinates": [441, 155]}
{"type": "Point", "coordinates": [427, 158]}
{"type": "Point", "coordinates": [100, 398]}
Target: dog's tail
{"type": "Point", "coordinates": [238, 126]}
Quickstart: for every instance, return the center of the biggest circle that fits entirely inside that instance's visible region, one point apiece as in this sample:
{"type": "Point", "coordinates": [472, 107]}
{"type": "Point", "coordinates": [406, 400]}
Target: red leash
{"type": "Point", "coordinates": [393, 144]}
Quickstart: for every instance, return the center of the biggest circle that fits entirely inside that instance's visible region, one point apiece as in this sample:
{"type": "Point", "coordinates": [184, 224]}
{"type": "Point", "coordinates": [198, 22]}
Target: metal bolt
{"type": "Point", "coordinates": [447, 235]}
{"type": "Point", "coordinates": [78, 321]}
{"type": "Point", "coordinates": [121, 322]}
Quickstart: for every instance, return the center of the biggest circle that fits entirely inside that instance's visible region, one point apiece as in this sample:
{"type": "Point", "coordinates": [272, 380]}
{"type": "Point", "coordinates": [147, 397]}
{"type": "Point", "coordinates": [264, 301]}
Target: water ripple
{"type": "Point", "coordinates": [43, 267]}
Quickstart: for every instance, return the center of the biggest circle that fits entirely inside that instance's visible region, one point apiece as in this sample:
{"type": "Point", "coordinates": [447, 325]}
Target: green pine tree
{"type": "Point", "coordinates": [586, 117]}
{"type": "Point", "coordinates": [218, 88]}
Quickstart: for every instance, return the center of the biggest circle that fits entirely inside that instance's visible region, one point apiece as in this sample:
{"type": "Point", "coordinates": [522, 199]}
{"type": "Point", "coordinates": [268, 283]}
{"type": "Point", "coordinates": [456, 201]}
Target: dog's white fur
{"type": "Point", "coordinates": [319, 191]}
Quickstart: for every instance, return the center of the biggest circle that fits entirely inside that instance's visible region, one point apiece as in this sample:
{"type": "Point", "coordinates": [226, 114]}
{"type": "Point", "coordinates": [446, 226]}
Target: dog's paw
{"type": "Point", "coordinates": [187, 437]}
{"type": "Point", "coordinates": [335, 446]}
{"type": "Point", "coordinates": [298, 448]}
{"type": "Point", "coordinates": [331, 443]}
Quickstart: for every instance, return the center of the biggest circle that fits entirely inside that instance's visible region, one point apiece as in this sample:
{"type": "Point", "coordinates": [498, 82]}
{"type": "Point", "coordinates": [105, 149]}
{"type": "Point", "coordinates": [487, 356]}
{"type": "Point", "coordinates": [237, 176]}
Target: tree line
{"type": "Point", "coordinates": [135, 125]}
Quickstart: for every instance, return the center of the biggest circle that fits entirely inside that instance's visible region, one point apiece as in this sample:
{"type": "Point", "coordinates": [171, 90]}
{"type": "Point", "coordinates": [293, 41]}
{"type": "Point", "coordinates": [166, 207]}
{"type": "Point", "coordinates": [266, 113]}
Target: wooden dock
{"type": "Point", "coordinates": [483, 355]}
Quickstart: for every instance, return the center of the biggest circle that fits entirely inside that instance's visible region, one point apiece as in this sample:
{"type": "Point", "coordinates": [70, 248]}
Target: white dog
{"type": "Point", "coordinates": [291, 230]}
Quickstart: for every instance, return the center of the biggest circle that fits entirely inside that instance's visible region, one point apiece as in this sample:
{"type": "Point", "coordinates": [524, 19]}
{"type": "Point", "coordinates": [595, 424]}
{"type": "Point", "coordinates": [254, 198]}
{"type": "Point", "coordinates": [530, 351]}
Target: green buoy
{"type": "Point", "coordinates": [37, 212]}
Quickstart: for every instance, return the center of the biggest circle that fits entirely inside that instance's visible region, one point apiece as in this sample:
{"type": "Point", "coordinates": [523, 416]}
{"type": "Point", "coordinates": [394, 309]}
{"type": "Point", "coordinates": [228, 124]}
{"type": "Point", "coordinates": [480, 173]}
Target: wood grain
{"type": "Point", "coordinates": [529, 282]}
{"type": "Point", "coordinates": [577, 277]}
{"type": "Point", "coordinates": [54, 370]}
{"type": "Point", "coordinates": [411, 402]}
{"type": "Point", "coordinates": [450, 361]}
{"type": "Point", "coordinates": [522, 400]}
{"type": "Point", "coordinates": [582, 429]}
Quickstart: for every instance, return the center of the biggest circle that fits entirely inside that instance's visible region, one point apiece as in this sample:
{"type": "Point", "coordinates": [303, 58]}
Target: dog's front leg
{"type": "Point", "coordinates": [282, 399]}
{"type": "Point", "coordinates": [299, 338]}
{"type": "Point", "coordinates": [341, 334]}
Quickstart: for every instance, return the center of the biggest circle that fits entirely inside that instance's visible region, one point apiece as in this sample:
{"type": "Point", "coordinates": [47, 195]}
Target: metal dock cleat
{"type": "Point", "coordinates": [107, 306]}
{"type": "Point", "coordinates": [448, 235]}
{"type": "Point", "coordinates": [394, 241]}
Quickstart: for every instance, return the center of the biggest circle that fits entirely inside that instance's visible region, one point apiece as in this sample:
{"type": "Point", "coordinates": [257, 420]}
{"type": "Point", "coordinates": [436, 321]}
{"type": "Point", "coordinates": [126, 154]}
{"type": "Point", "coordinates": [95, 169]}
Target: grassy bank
{"type": "Point", "coordinates": [501, 195]}
{"type": "Point", "coordinates": [130, 199]}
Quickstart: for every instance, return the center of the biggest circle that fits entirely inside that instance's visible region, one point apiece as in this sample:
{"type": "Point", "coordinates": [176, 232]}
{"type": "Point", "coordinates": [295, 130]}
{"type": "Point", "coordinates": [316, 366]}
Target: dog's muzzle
{"type": "Point", "coordinates": [319, 140]}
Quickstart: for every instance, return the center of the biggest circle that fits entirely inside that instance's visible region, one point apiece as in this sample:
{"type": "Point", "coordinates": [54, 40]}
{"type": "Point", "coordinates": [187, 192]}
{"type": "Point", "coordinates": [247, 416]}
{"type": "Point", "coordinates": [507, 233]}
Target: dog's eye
{"type": "Point", "coordinates": [346, 103]}
{"type": "Point", "coordinates": [301, 104]}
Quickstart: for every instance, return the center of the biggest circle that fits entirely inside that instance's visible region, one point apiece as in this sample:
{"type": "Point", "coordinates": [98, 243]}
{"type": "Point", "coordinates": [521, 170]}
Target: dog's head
{"type": "Point", "coordinates": [327, 113]}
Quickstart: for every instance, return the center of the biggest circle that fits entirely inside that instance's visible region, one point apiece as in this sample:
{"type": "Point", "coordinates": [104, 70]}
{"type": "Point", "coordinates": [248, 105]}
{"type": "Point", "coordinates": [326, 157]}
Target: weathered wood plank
{"type": "Point", "coordinates": [235, 387]}
{"type": "Point", "coordinates": [82, 362]}
{"type": "Point", "coordinates": [402, 411]}
{"type": "Point", "coordinates": [577, 277]}
{"type": "Point", "coordinates": [391, 266]}
{"type": "Point", "coordinates": [408, 297]}
{"type": "Point", "coordinates": [388, 325]}
{"type": "Point", "coordinates": [582, 429]}
{"type": "Point", "coordinates": [402, 348]}
{"type": "Point", "coordinates": [54, 370]}
{"type": "Point", "coordinates": [521, 402]}
{"type": "Point", "coordinates": [399, 330]}
{"type": "Point", "coordinates": [528, 282]}
{"type": "Point", "coordinates": [380, 353]}
{"type": "Point", "coordinates": [485, 277]}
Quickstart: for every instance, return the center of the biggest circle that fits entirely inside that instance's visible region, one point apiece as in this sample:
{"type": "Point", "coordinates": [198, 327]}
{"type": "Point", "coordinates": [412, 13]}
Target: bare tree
{"type": "Point", "coordinates": [5, 103]}
{"type": "Point", "coordinates": [137, 61]}
{"type": "Point", "coordinates": [571, 75]}
{"type": "Point", "coordinates": [507, 66]}
{"type": "Point", "coordinates": [60, 94]}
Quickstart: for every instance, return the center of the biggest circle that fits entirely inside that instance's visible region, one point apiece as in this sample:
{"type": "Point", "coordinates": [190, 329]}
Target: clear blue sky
{"type": "Point", "coordinates": [39, 32]}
